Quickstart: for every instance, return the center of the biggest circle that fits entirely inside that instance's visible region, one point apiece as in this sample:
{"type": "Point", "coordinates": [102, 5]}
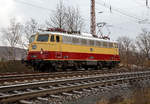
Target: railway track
{"type": "Point", "coordinates": [27, 91]}
{"type": "Point", "coordinates": [5, 79]}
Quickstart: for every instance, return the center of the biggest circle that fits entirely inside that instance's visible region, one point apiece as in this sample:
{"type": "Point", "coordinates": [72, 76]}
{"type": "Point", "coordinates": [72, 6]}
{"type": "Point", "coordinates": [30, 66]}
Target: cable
{"type": "Point", "coordinates": [120, 12]}
{"type": "Point", "coordinates": [141, 4]}
{"type": "Point", "coordinates": [33, 5]}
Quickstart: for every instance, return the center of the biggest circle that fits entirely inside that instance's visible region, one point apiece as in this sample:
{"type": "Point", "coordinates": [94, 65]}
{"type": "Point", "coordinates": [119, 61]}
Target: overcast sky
{"type": "Point", "coordinates": [123, 19]}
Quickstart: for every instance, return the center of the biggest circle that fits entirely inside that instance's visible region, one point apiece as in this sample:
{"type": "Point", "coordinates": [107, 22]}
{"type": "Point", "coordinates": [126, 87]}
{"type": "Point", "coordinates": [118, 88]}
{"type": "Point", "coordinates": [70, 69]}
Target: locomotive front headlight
{"type": "Point", "coordinates": [41, 51]}
{"type": "Point", "coordinates": [34, 46]}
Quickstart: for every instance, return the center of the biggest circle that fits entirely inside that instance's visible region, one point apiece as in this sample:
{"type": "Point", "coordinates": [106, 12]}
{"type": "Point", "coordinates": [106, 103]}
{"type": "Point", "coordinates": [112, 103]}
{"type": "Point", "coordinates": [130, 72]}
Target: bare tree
{"type": "Point", "coordinates": [143, 43]}
{"type": "Point", "coordinates": [30, 28]}
{"type": "Point", "coordinates": [125, 44]}
{"type": "Point", "coordinates": [12, 36]}
{"type": "Point", "coordinates": [136, 56]}
{"type": "Point", "coordinates": [74, 20]}
{"type": "Point", "coordinates": [68, 18]}
{"type": "Point", "coordinates": [58, 17]}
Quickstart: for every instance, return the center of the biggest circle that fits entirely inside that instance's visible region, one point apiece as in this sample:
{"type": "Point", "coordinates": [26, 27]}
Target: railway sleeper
{"type": "Point", "coordinates": [67, 94]}
{"type": "Point", "coordinates": [25, 102]}
{"type": "Point", "coordinates": [50, 66]}
{"type": "Point", "coordinates": [55, 96]}
{"type": "Point", "coordinates": [42, 99]}
{"type": "Point", "coordinates": [70, 88]}
{"type": "Point", "coordinates": [77, 92]}
{"type": "Point", "coordinates": [3, 94]}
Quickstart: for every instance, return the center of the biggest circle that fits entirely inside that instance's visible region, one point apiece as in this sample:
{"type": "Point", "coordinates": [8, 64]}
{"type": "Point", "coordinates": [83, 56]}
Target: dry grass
{"type": "Point", "coordinates": [13, 66]}
{"type": "Point", "coordinates": [140, 96]}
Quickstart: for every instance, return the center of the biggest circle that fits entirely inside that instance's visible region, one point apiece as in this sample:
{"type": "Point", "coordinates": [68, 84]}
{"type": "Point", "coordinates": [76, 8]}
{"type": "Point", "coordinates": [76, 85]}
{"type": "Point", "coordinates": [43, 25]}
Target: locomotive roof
{"type": "Point", "coordinates": [82, 36]}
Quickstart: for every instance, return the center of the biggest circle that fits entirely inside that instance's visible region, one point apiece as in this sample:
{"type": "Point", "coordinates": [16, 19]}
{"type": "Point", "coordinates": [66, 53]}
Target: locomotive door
{"type": "Point", "coordinates": [55, 46]}
{"type": "Point", "coordinates": [58, 53]}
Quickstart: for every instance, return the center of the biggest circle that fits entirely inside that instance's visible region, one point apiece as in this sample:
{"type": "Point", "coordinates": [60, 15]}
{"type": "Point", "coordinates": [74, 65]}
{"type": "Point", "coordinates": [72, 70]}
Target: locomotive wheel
{"type": "Point", "coordinates": [74, 68]}
{"type": "Point", "coordinates": [86, 67]}
{"type": "Point", "coordinates": [94, 67]}
{"type": "Point", "coordinates": [63, 69]}
{"type": "Point", "coordinates": [37, 68]}
{"type": "Point", "coordinates": [56, 68]}
{"type": "Point", "coordinates": [110, 65]}
{"type": "Point", "coordinates": [99, 66]}
{"type": "Point", "coordinates": [53, 69]}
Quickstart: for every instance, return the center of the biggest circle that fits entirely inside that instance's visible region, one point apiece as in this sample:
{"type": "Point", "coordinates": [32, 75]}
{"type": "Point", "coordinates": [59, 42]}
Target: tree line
{"type": "Point", "coordinates": [135, 51]}
{"type": "Point", "coordinates": [17, 34]}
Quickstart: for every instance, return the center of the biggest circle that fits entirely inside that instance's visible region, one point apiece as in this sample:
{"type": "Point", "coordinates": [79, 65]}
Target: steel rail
{"type": "Point", "coordinates": [27, 95]}
{"type": "Point", "coordinates": [10, 78]}
{"type": "Point", "coordinates": [54, 82]}
{"type": "Point", "coordinates": [11, 75]}
{"type": "Point", "coordinates": [126, 77]}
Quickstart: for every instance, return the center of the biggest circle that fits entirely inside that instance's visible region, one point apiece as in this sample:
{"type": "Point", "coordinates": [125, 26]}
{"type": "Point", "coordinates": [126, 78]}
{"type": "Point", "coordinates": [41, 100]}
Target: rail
{"type": "Point", "coordinates": [59, 86]}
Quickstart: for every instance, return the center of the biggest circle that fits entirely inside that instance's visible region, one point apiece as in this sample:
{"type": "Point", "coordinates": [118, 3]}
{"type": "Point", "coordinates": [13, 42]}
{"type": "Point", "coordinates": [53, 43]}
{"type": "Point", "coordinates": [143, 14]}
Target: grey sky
{"type": "Point", "coordinates": [120, 24]}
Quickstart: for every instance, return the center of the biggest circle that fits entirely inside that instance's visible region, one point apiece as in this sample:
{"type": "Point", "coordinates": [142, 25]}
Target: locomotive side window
{"type": "Point", "coordinates": [104, 44]}
{"type": "Point", "coordinates": [57, 39]}
{"type": "Point", "coordinates": [98, 43]}
{"type": "Point", "coordinates": [91, 42]}
{"type": "Point", "coordinates": [75, 40]}
{"type": "Point", "coordinates": [52, 38]}
{"type": "Point", "coordinates": [67, 40]}
{"type": "Point", "coordinates": [83, 41]}
{"type": "Point", "coordinates": [32, 38]}
{"type": "Point", "coordinates": [110, 45]}
{"type": "Point", "coordinates": [64, 39]}
{"type": "Point", "coordinates": [115, 45]}
{"type": "Point", "coordinates": [43, 38]}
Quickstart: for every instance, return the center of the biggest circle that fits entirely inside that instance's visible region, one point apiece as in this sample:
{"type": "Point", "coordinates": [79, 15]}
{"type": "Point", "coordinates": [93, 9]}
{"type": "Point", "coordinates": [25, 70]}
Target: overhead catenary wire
{"type": "Point", "coordinates": [33, 5]}
{"type": "Point", "coordinates": [142, 5]}
{"type": "Point", "coordinates": [98, 3]}
{"type": "Point", "coordinates": [147, 3]}
{"type": "Point", "coordinates": [105, 5]}
{"type": "Point", "coordinates": [118, 11]}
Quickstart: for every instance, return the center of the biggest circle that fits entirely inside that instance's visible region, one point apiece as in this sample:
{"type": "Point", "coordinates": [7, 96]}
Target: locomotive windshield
{"type": "Point", "coordinates": [43, 38]}
{"type": "Point", "coordinates": [32, 38]}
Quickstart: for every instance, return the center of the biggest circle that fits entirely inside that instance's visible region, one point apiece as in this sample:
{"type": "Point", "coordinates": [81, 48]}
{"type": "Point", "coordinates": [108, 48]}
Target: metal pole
{"type": "Point", "coordinates": [93, 19]}
{"type": "Point", "coordinates": [147, 3]}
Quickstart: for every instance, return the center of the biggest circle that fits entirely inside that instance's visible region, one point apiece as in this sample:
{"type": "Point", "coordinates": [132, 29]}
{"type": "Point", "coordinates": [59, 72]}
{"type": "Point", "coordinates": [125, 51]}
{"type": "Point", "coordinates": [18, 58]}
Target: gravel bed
{"type": "Point", "coordinates": [92, 96]}
{"type": "Point", "coordinates": [89, 96]}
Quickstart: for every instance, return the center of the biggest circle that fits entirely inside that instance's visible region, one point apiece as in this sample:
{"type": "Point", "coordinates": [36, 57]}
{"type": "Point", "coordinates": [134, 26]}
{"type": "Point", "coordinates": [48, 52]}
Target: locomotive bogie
{"type": "Point", "coordinates": [50, 66]}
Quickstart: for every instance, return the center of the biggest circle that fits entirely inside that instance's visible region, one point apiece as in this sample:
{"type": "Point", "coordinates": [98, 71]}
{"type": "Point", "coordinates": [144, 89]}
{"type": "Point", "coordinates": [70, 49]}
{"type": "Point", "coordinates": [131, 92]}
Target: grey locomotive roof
{"type": "Point", "coordinates": [82, 36]}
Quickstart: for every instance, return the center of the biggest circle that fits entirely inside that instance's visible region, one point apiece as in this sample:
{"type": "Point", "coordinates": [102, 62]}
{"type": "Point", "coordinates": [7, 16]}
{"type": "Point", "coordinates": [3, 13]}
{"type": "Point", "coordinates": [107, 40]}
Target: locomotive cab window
{"type": "Point", "coordinates": [43, 38]}
{"type": "Point", "coordinates": [52, 38]}
{"type": "Point", "coordinates": [32, 38]}
{"type": "Point", "coordinates": [57, 39]}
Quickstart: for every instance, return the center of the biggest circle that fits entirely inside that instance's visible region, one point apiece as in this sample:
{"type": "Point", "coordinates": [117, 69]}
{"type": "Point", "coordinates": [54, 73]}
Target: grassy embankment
{"type": "Point", "coordinates": [13, 66]}
{"type": "Point", "coordinates": [140, 96]}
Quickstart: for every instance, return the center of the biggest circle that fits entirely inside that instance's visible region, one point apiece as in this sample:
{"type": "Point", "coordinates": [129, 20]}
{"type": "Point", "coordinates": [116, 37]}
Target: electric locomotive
{"type": "Point", "coordinates": [55, 51]}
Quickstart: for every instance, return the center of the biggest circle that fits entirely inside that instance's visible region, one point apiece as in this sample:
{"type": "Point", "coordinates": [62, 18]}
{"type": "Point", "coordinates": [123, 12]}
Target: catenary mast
{"type": "Point", "coordinates": [93, 19]}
